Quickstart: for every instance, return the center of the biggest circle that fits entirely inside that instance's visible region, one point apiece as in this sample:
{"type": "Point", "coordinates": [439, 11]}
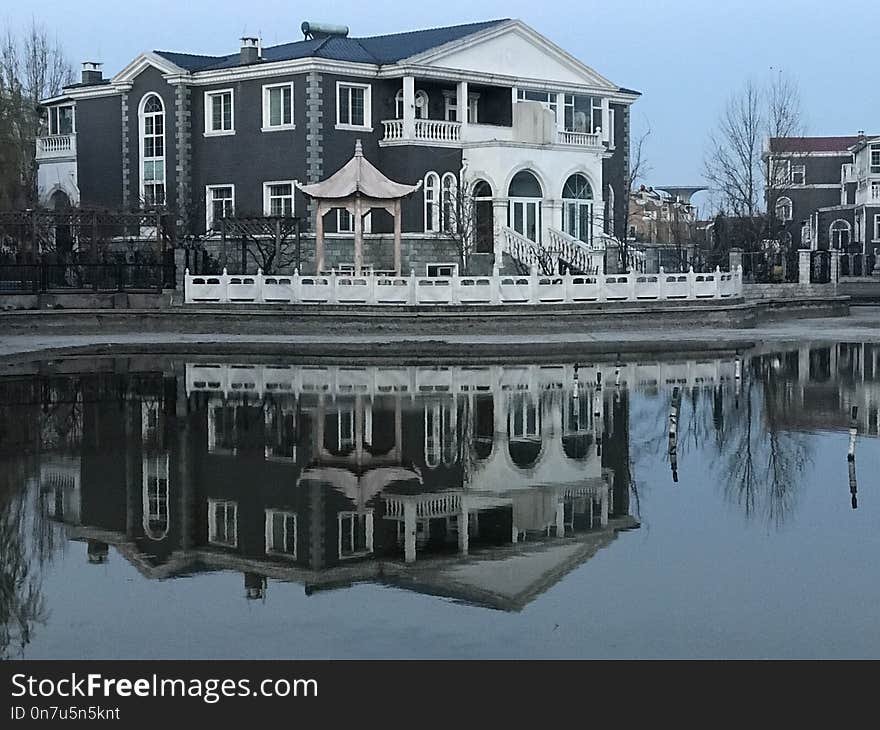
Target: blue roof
{"type": "Point", "coordinates": [379, 50]}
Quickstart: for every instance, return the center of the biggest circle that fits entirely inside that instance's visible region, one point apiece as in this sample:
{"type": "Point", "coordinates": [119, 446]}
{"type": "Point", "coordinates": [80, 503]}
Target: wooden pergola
{"type": "Point", "coordinates": [357, 187]}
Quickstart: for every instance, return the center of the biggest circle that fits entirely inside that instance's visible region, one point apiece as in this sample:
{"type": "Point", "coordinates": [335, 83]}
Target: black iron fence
{"type": "Point", "coordinates": [82, 277]}
{"type": "Point", "coordinates": [820, 267]}
{"type": "Point", "coordinates": [765, 267]}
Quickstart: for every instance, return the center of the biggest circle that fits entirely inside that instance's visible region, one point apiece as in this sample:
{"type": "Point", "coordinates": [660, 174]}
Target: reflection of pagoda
{"type": "Point", "coordinates": [433, 479]}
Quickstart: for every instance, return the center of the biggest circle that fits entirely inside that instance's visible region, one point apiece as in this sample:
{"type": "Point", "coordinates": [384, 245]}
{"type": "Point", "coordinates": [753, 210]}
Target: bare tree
{"type": "Point", "coordinates": [747, 179]}
{"type": "Point", "coordinates": [32, 68]}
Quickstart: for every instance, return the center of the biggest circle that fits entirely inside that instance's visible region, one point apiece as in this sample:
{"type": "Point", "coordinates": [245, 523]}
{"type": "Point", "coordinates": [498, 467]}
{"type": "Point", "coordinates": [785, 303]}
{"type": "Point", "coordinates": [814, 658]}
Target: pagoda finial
{"type": "Point", "coordinates": [358, 150]}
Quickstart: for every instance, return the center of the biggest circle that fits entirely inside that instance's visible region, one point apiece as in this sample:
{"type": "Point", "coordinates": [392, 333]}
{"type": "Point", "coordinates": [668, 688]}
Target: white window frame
{"type": "Point", "coordinates": [780, 171]}
{"type": "Point", "coordinates": [449, 208]}
{"type": "Point", "coordinates": [155, 158]}
{"type": "Point", "coordinates": [612, 114]}
{"type": "Point", "coordinates": [53, 114]}
{"type": "Point", "coordinates": [209, 200]}
{"type": "Point", "coordinates": [270, 548]}
{"type": "Point", "coordinates": [432, 183]}
{"type": "Point", "coordinates": [368, 116]}
{"type": "Point", "coordinates": [437, 269]}
{"type": "Point", "coordinates": [794, 171]}
{"type": "Point", "coordinates": [267, 197]}
{"type": "Point", "coordinates": [832, 230]}
{"type": "Point", "coordinates": [367, 515]}
{"type": "Point", "coordinates": [349, 227]}
{"type": "Point", "coordinates": [450, 99]}
{"type": "Point", "coordinates": [226, 504]}
{"type": "Point", "coordinates": [876, 227]}
{"type": "Point", "coordinates": [778, 204]}
{"type": "Point", "coordinates": [874, 153]}
{"type": "Point", "coordinates": [267, 121]}
{"type": "Point", "coordinates": [209, 116]}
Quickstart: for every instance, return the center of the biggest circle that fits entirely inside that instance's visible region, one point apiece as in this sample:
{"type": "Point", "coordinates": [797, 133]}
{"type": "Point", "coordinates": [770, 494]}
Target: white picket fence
{"type": "Point", "coordinates": [499, 289]}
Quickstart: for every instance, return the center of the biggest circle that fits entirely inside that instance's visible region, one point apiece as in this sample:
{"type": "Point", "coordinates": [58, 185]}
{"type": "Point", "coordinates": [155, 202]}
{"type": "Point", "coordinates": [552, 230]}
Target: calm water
{"type": "Point", "coordinates": [689, 508]}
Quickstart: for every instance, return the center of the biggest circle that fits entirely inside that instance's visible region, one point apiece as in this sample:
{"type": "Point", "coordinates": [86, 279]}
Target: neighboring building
{"type": "Point", "coordinates": [663, 223]}
{"type": "Point", "coordinates": [539, 139]}
{"type": "Point", "coordinates": [827, 190]}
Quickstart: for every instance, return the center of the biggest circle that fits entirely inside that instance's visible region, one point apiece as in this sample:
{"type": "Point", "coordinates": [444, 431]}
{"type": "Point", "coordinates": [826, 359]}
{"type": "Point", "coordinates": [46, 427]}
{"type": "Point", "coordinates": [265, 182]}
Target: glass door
{"type": "Point", "coordinates": [525, 217]}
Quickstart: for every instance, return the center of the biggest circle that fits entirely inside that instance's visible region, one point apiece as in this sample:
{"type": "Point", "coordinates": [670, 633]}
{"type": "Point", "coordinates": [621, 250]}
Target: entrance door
{"type": "Point", "coordinates": [525, 217]}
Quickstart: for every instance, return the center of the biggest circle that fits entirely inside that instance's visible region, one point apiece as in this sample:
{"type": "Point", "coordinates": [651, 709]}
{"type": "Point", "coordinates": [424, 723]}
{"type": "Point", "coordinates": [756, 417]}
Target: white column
{"type": "Point", "coordinates": [499, 220]}
{"type": "Point", "coordinates": [461, 100]}
{"type": "Point", "coordinates": [409, 107]}
{"type": "Point", "coordinates": [560, 519]}
{"type": "Point", "coordinates": [605, 119]}
{"type": "Point", "coordinates": [409, 531]}
{"type": "Point", "coordinates": [560, 113]}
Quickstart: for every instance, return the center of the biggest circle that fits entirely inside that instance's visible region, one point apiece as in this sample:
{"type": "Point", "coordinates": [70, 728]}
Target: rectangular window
{"type": "Point", "coordinates": [798, 174]}
{"type": "Point", "coordinates": [281, 533]}
{"type": "Point", "coordinates": [441, 270]}
{"type": "Point", "coordinates": [451, 107]}
{"type": "Point", "coordinates": [875, 159]}
{"type": "Point", "coordinates": [355, 534]}
{"type": "Point", "coordinates": [278, 198]}
{"type": "Point", "coordinates": [344, 221]}
{"type": "Point", "coordinates": [61, 119]}
{"type": "Point", "coordinates": [780, 172]}
{"type": "Point", "coordinates": [546, 98]}
{"type": "Point", "coordinates": [875, 190]}
{"type": "Point", "coordinates": [353, 105]}
{"type": "Point", "coordinates": [223, 523]}
{"type": "Point", "coordinates": [219, 203]}
{"type": "Point", "coordinates": [877, 227]}
{"type": "Point", "coordinates": [277, 107]}
{"type": "Point", "coordinates": [219, 112]}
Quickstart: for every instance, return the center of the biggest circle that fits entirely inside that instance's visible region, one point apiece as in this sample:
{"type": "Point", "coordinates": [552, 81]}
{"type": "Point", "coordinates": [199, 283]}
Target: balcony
{"type": "Point", "coordinates": [848, 173]}
{"type": "Point", "coordinates": [56, 147]}
{"type": "Point", "coordinates": [442, 133]}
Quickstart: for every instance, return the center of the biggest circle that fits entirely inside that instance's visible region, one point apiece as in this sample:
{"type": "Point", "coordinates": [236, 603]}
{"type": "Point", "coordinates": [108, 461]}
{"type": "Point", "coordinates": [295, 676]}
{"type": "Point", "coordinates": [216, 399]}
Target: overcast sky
{"type": "Point", "coordinates": [685, 56]}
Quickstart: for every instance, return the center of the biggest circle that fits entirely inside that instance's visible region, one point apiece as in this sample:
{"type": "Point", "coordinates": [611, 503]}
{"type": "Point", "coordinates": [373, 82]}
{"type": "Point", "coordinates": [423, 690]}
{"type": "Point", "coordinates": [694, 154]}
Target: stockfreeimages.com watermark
{"type": "Point", "coordinates": [208, 690]}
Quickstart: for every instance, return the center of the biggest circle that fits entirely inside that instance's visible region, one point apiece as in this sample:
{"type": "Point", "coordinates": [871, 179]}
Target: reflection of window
{"type": "Point", "coordinates": [280, 433]}
{"type": "Point", "coordinates": [355, 531]}
{"type": "Point", "coordinates": [440, 433]}
{"type": "Point", "coordinates": [578, 415]}
{"type": "Point", "coordinates": [223, 523]}
{"type": "Point", "coordinates": [281, 533]}
{"type": "Point", "coordinates": [345, 430]}
{"type": "Point", "coordinates": [221, 429]}
{"type": "Point", "coordinates": [155, 495]}
{"type": "Point", "coordinates": [524, 418]}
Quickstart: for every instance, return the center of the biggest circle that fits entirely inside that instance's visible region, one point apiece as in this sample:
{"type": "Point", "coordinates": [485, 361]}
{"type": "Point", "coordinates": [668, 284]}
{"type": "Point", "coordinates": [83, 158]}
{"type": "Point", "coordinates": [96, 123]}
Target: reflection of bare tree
{"type": "Point", "coordinates": [21, 602]}
{"type": "Point", "coordinates": [760, 460]}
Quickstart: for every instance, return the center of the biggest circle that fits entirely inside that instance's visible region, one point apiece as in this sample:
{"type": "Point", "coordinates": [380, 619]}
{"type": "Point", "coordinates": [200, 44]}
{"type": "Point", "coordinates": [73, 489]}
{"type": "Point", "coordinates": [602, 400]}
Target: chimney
{"type": "Point", "coordinates": [250, 50]}
{"type": "Point", "coordinates": [91, 72]}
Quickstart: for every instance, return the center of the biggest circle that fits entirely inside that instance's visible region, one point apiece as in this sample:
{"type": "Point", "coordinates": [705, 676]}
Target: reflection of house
{"type": "Point", "coordinates": [352, 480]}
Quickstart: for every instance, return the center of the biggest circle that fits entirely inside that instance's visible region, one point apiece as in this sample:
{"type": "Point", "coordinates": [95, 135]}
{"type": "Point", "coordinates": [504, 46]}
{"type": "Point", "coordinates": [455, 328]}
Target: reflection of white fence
{"type": "Point", "coordinates": [261, 380]}
{"type": "Point", "coordinates": [532, 288]}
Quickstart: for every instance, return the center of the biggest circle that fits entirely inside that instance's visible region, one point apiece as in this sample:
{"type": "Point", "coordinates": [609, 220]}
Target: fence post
{"type": "Point", "coordinates": [334, 297]}
{"type": "Point", "coordinates": [718, 282]}
{"type": "Point", "coordinates": [533, 284]}
{"type": "Point", "coordinates": [186, 286]}
{"type": "Point", "coordinates": [661, 281]}
{"type": "Point", "coordinates": [258, 280]}
{"type": "Point", "coordinates": [413, 291]}
{"type": "Point", "coordinates": [691, 281]}
{"type": "Point", "coordinates": [224, 283]}
{"type": "Point", "coordinates": [804, 266]}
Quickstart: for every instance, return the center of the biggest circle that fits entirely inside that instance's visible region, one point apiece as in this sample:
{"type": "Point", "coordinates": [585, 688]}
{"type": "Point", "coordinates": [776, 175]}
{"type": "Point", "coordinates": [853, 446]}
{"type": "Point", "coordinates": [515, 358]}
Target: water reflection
{"type": "Point", "coordinates": [486, 485]}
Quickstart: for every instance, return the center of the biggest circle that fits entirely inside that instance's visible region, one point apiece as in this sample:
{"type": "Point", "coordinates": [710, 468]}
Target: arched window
{"type": "Point", "coordinates": [784, 209]}
{"type": "Point", "coordinates": [449, 187]}
{"type": "Point", "coordinates": [840, 234]}
{"type": "Point", "coordinates": [152, 148]}
{"type": "Point", "coordinates": [421, 103]}
{"type": "Point", "coordinates": [432, 202]}
{"type": "Point", "coordinates": [484, 233]}
{"type": "Point", "coordinates": [524, 213]}
{"type": "Point", "coordinates": [609, 213]}
{"type": "Point", "coordinates": [577, 207]}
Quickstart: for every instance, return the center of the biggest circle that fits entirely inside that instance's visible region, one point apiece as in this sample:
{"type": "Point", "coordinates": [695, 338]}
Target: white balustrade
{"type": "Point", "coordinates": [582, 139]}
{"type": "Point", "coordinates": [56, 145]}
{"type": "Point", "coordinates": [498, 289]}
{"type": "Point", "coordinates": [426, 130]}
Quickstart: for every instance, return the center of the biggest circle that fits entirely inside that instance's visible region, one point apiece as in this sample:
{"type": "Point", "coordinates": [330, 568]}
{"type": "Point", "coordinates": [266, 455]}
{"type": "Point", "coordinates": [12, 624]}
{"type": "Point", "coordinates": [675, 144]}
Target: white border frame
{"type": "Point", "coordinates": [219, 132]}
{"type": "Point", "coordinates": [266, 127]}
{"type": "Point", "coordinates": [266, 184]}
{"type": "Point", "coordinates": [368, 106]}
{"type": "Point", "coordinates": [209, 208]}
